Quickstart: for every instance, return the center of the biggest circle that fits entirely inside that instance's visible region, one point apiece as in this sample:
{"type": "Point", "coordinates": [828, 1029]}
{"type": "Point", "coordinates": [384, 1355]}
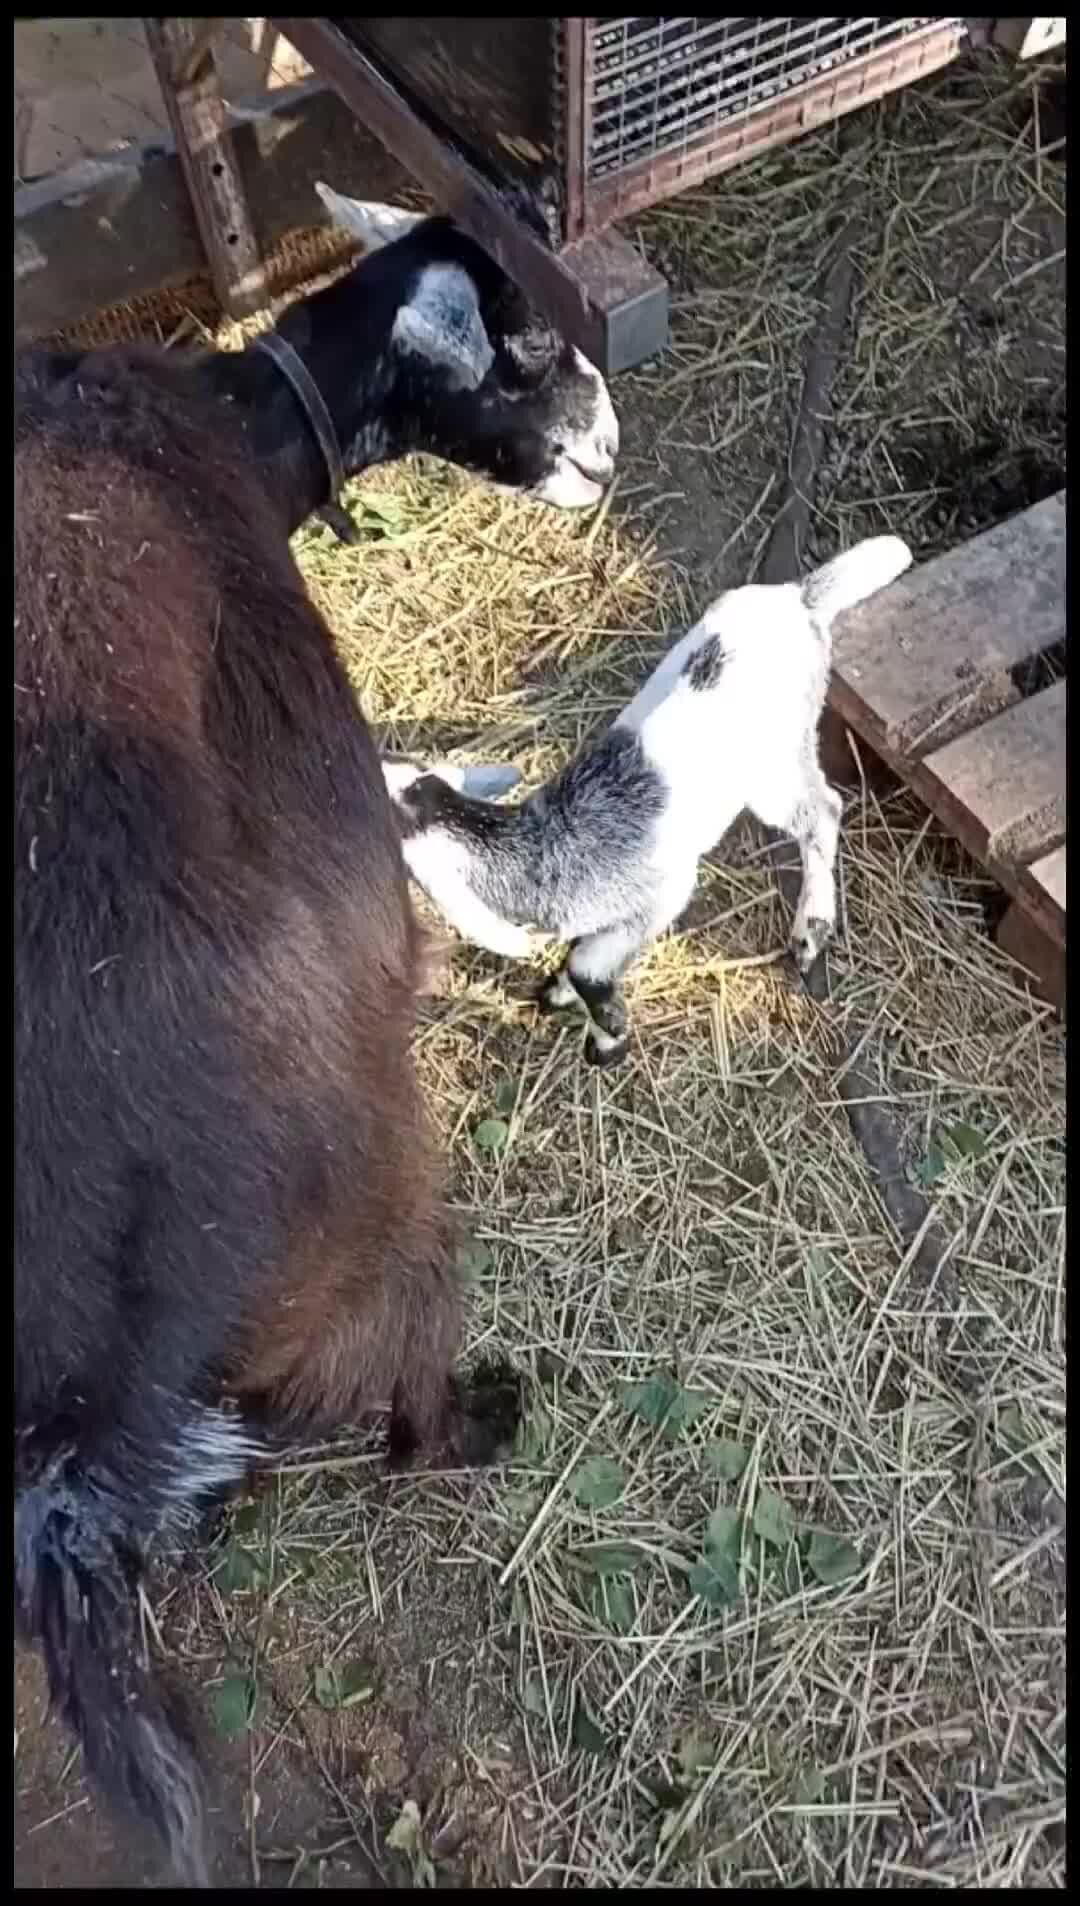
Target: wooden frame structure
{"type": "Point", "coordinates": [954, 679]}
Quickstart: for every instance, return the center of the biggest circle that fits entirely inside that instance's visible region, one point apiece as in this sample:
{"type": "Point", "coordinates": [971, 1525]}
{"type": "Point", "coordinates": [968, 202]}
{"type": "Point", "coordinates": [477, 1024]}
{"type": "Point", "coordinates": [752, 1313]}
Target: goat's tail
{"type": "Point", "coordinates": [77, 1573]}
{"type": "Point", "coordinates": [858, 573]}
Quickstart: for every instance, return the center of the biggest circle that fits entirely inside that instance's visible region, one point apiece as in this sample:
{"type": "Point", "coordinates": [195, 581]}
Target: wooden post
{"type": "Point", "coordinates": [183, 58]}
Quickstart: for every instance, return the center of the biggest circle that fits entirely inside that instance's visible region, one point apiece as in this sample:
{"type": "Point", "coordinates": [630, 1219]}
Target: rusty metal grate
{"type": "Point", "coordinates": [659, 85]}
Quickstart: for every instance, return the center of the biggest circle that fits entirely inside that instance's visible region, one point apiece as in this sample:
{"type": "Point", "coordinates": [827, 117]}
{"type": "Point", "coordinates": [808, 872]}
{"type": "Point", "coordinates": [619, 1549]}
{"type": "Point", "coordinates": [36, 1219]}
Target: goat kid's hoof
{"type": "Point", "coordinates": [553, 996]}
{"type": "Point", "coordinates": [808, 942]}
{"type": "Point", "coordinates": [604, 1051]}
{"type": "Point", "coordinates": [488, 1414]}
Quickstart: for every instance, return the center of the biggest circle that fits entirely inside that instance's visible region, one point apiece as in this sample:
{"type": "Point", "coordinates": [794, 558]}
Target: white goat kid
{"type": "Point", "coordinates": [605, 855]}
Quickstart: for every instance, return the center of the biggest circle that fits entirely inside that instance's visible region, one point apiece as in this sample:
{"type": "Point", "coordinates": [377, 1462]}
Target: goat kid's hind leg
{"type": "Point", "coordinates": [814, 823]}
{"type": "Point", "coordinates": [597, 961]}
{"type": "Point", "coordinates": [593, 969]}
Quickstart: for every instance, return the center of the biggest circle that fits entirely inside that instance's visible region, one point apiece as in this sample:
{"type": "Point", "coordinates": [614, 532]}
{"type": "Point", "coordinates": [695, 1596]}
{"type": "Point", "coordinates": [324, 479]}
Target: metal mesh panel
{"type": "Point", "coordinates": [659, 85]}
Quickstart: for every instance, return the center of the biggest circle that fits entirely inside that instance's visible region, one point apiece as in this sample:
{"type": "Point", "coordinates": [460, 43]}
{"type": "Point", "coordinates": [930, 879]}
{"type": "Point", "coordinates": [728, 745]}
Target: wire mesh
{"type": "Point", "coordinates": [662, 84]}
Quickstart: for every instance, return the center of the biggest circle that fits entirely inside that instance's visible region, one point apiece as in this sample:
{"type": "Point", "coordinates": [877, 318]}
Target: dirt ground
{"type": "Point", "coordinates": [415, 1681]}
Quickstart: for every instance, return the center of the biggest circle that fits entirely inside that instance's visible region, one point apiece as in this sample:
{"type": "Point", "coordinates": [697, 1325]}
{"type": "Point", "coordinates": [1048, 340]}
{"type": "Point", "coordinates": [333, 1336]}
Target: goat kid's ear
{"type": "Point", "coordinates": [373, 223]}
{"type": "Point", "coordinates": [440, 322]}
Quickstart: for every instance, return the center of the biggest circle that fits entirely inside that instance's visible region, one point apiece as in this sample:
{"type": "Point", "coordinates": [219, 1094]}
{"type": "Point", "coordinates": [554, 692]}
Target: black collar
{"type": "Point", "coordinates": [312, 403]}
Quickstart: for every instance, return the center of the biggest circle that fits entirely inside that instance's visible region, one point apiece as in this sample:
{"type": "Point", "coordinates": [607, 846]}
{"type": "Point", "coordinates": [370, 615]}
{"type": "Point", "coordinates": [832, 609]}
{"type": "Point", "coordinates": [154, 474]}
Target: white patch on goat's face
{"type": "Point", "coordinates": [586, 459]}
{"type": "Point", "coordinates": [441, 323]}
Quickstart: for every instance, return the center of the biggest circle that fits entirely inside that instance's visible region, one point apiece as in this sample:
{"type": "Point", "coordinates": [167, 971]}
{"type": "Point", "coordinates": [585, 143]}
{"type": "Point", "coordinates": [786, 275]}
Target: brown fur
{"type": "Point", "coordinates": [223, 1172]}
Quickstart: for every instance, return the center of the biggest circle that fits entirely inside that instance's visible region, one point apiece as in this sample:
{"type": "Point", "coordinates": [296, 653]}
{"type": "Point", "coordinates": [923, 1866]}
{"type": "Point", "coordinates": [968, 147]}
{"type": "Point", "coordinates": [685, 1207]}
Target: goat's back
{"type": "Point", "coordinates": [211, 927]}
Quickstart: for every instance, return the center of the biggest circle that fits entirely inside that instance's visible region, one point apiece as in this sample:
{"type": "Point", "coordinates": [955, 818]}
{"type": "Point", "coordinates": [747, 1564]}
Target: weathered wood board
{"type": "Point", "coordinates": [934, 653]}
{"type": "Point", "coordinates": [1009, 775]}
{"type": "Point", "coordinates": [931, 674]}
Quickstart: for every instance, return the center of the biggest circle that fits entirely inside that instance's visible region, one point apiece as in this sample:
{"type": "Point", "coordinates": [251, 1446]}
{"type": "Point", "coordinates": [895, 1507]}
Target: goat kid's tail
{"type": "Point", "coordinates": [77, 1571]}
{"type": "Point", "coordinates": [858, 573]}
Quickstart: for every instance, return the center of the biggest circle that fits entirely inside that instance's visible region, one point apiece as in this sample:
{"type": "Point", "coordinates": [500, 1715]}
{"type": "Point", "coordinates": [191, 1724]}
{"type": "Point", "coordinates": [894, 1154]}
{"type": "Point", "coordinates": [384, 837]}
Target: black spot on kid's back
{"type": "Point", "coordinates": [706, 665]}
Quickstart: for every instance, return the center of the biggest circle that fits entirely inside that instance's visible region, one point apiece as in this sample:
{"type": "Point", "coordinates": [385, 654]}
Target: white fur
{"type": "Point", "coordinates": [587, 463]}
{"type": "Point", "coordinates": [373, 223]}
{"type": "Point", "coordinates": [441, 322]}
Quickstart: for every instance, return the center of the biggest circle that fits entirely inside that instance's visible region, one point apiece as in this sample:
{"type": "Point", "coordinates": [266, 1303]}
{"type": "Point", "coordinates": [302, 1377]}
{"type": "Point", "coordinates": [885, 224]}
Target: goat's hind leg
{"type": "Point", "coordinates": [474, 1420]}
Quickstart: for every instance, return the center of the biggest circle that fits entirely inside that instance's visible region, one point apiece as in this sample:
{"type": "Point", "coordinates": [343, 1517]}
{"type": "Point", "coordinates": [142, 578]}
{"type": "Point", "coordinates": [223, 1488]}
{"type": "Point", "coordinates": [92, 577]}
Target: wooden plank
{"type": "Point", "coordinates": [1009, 775]}
{"type": "Point", "coordinates": [112, 229]}
{"type": "Point", "coordinates": [197, 115]}
{"type": "Point", "coordinates": [931, 655]}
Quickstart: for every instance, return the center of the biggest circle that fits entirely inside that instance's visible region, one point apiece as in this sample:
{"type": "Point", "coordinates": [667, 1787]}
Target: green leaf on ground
{"type": "Point", "coordinates": [726, 1459]}
{"type": "Point", "coordinates": [597, 1483]}
{"type": "Point", "coordinates": [234, 1705]}
{"type": "Point", "coordinates": [773, 1520]}
{"type": "Point", "coordinates": [491, 1135]}
{"type": "Point", "coordinates": [248, 1518]}
{"type": "Point", "coordinates": [930, 1168]}
{"type": "Point", "coordinates": [714, 1580]}
{"type": "Point", "coordinates": [664, 1403]}
{"type": "Point", "coordinates": [967, 1140]}
{"type": "Point", "coordinates": [533, 1434]}
{"type": "Point", "coordinates": [506, 1096]}
{"type": "Point", "coordinates": [239, 1569]}
{"type": "Point", "coordinates": [832, 1558]}
{"type": "Point", "coordinates": [723, 1536]}
{"type": "Point", "coordinates": [587, 1735]}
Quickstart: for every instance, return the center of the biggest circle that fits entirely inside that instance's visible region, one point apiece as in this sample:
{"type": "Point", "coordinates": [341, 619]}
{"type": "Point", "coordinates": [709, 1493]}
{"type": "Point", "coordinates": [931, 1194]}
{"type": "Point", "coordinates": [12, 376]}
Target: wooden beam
{"type": "Point", "coordinates": [108, 230]}
{"type": "Point", "coordinates": [197, 116]}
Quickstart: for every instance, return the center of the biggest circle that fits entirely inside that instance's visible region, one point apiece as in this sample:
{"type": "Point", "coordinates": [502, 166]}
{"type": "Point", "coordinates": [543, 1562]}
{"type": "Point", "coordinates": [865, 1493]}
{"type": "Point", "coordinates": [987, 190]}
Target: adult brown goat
{"type": "Point", "coordinates": [228, 1214]}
